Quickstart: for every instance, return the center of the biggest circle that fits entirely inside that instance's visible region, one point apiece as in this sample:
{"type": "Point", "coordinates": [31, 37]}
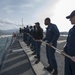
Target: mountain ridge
{"type": "Point", "coordinates": [8, 32]}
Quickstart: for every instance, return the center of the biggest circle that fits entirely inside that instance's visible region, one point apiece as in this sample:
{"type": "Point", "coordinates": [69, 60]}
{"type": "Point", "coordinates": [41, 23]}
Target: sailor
{"type": "Point", "coordinates": [27, 36]}
{"type": "Point", "coordinates": [38, 36]}
{"type": "Point", "coordinates": [34, 42]}
{"type": "Point", "coordinates": [31, 37]}
{"type": "Point", "coordinates": [24, 34]}
{"type": "Point", "coordinates": [20, 30]}
{"type": "Point", "coordinates": [70, 47]}
{"type": "Point", "coordinates": [52, 35]}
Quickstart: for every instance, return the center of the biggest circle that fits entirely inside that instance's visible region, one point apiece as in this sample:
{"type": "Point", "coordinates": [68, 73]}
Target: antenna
{"type": "Point", "coordinates": [22, 23]}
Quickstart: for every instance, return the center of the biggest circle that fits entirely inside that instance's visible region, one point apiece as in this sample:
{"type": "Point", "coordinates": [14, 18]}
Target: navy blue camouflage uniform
{"type": "Point", "coordinates": [52, 35]}
{"type": "Point", "coordinates": [70, 50]}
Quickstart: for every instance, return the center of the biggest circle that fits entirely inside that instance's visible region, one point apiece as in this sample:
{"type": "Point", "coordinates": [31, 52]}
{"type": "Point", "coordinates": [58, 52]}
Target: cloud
{"type": "Point", "coordinates": [26, 5]}
{"type": "Point", "coordinates": [8, 24]}
{"type": "Point", "coordinates": [30, 10]}
{"type": "Point", "coordinates": [62, 9]}
{"type": "Point", "coordinates": [45, 10]}
{"type": "Point", "coordinates": [7, 9]}
{"type": "Point", "coordinates": [10, 6]}
{"type": "Point", "coordinates": [37, 1]}
{"type": "Point", "coordinates": [7, 21]}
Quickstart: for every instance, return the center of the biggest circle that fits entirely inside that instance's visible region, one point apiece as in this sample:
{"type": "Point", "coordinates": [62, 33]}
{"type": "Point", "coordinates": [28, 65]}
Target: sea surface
{"type": "Point", "coordinates": [5, 41]}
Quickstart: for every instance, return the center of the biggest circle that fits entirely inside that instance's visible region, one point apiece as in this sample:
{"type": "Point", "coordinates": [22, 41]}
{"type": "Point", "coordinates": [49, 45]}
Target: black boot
{"type": "Point", "coordinates": [33, 53]}
{"type": "Point", "coordinates": [35, 57]}
{"type": "Point", "coordinates": [32, 50]}
{"type": "Point", "coordinates": [55, 72]}
{"type": "Point", "coordinates": [49, 69]}
{"type": "Point", "coordinates": [37, 61]}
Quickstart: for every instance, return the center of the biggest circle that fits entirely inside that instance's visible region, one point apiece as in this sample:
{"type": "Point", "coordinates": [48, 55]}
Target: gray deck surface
{"type": "Point", "coordinates": [16, 63]}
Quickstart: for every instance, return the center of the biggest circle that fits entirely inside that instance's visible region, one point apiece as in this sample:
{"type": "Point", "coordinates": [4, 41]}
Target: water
{"type": "Point", "coordinates": [64, 35]}
{"type": "Point", "coordinates": [4, 43]}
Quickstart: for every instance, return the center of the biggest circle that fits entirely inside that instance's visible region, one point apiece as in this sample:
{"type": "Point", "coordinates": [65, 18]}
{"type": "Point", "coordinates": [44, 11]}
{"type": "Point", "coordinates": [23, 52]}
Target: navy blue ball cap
{"type": "Point", "coordinates": [37, 23]}
{"type": "Point", "coordinates": [71, 15]}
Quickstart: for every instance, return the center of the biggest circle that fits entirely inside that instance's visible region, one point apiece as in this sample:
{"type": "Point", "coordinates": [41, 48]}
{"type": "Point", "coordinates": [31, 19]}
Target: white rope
{"type": "Point", "coordinates": [57, 50]}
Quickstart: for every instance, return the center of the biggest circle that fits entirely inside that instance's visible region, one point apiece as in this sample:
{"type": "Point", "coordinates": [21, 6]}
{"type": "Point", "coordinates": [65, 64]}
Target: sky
{"type": "Point", "coordinates": [13, 11]}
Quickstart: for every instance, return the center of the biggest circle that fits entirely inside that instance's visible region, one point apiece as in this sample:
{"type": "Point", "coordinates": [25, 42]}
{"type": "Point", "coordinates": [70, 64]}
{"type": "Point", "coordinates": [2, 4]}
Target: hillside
{"type": "Point", "coordinates": [7, 32]}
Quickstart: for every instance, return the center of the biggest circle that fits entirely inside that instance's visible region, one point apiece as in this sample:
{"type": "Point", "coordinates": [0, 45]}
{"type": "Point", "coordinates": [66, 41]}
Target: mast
{"type": "Point", "coordinates": [22, 23]}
